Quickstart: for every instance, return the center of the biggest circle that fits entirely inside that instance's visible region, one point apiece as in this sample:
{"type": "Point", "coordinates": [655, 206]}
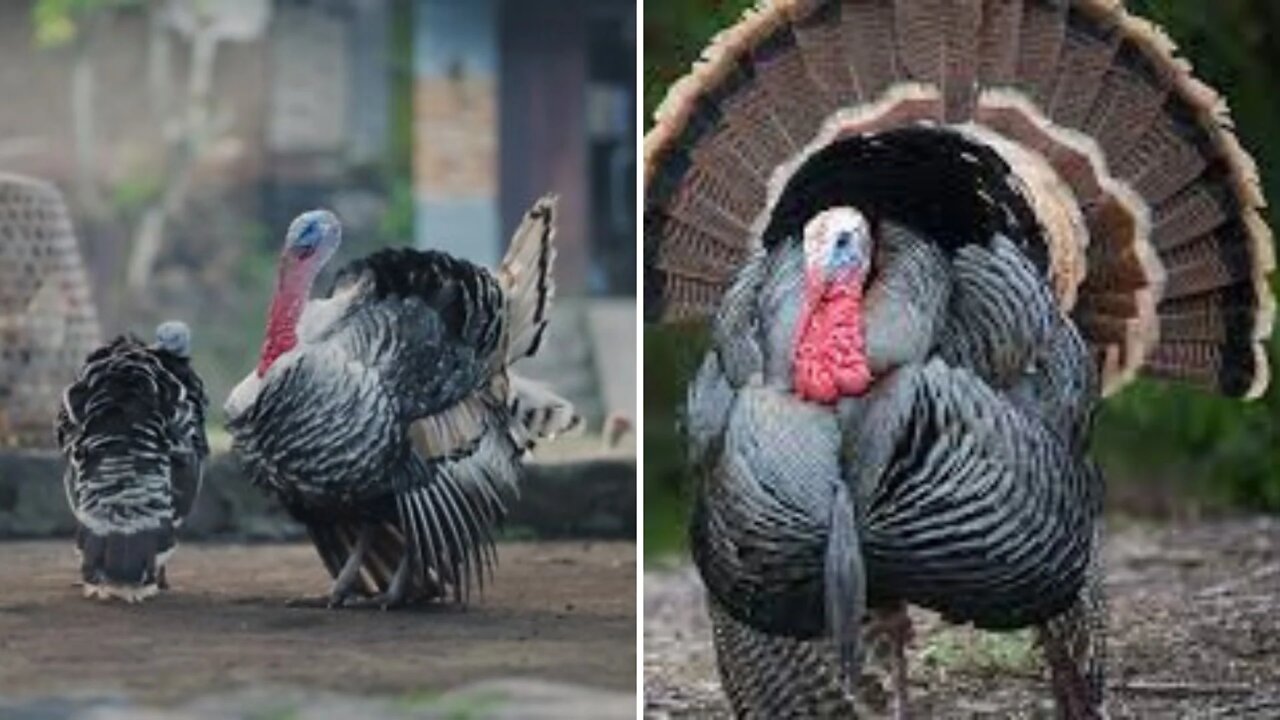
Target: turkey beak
{"type": "Point", "coordinates": [848, 257]}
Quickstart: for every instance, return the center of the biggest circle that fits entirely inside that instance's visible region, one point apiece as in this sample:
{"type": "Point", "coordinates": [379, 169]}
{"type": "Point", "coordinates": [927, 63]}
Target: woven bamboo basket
{"type": "Point", "coordinates": [47, 319]}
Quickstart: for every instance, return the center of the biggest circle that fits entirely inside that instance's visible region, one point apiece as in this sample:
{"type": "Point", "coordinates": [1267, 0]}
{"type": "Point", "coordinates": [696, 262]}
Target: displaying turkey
{"type": "Point", "coordinates": [385, 416]}
{"type": "Point", "coordinates": [929, 236]}
{"type": "Point", "coordinates": [132, 429]}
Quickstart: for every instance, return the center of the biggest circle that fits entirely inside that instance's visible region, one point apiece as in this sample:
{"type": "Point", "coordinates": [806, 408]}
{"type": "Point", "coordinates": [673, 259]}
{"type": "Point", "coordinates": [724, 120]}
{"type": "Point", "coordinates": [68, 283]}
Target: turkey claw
{"type": "Point", "coordinates": [321, 602]}
{"type": "Point", "coordinates": [383, 601]}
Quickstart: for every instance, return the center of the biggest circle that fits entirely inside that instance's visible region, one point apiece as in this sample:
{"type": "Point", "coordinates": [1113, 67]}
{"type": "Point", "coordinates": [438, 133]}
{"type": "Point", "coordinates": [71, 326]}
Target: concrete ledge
{"type": "Point", "coordinates": [579, 498]}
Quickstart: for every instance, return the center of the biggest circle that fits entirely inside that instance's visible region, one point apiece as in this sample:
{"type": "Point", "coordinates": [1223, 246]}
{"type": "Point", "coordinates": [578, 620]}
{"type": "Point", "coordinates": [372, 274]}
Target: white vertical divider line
{"type": "Point", "coordinates": [639, 322]}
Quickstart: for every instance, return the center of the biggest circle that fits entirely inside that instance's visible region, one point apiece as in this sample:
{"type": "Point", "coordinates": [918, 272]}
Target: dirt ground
{"type": "Point", "coordinates": [1195, 633]}
{"type": "Point", "coordinates": [561, 612]}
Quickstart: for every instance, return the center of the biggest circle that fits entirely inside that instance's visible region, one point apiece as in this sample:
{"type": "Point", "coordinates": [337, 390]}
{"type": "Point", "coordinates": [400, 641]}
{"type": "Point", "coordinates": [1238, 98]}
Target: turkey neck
{"type": "Point", "coordinates": [293, 287]}
{"type": "Point", "coordinates": [830, 355]}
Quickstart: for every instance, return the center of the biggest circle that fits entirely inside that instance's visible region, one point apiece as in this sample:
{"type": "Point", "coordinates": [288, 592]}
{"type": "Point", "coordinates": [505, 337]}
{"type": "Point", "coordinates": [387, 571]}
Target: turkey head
{"type": "Point", "coordinates": [830, 347]}
{"type": "Point", "coordinates": [312, 239]}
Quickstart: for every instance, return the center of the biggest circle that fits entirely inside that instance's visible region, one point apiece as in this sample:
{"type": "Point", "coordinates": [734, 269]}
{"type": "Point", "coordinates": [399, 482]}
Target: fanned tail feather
{"type": "Point", "coordinates": [526, 277]}
{"type": "Point", "coordinates": [1151, 208]}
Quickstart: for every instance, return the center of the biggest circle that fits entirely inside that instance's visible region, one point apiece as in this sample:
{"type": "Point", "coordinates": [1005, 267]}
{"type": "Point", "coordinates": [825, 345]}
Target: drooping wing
{"type": "Point", "coordinates": [1001, 315]}
{"type": "Point", "coordinates": [906, 298]}
{"type": "Point", "coordinates": [1004, 325]}
{"type": "Point", "coordinates": [430, 324]}
{"type": "Point", "coordinates": [761, 517]}
{"type": "Point", "coordinates": [189, 443]}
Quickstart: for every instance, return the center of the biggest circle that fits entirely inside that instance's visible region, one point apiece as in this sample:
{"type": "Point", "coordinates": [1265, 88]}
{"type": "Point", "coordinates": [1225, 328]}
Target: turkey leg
{"type": "Point", "coordinates": [397, 593]}
{"type": "Point", "coordinates": [344, 583]}
{"type": "Point", "coordinates": [1075, 650]}
{"type": "Point", "coordinates": [399, 590]}
{"type": "Point", "coordinates": [894, 625]}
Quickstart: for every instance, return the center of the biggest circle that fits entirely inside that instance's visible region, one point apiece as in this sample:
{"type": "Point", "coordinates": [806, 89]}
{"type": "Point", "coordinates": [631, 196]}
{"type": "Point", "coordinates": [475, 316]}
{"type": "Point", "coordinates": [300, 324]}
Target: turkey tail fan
{"type": "Point", "coordinates": [126, 565]}
{"type": "Point", "coordinates": [1070, 122]}
{"type": "Point", "coordinates": [526, 277]}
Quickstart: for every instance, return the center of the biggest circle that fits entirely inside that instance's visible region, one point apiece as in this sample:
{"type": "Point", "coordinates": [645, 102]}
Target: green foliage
{"type": "Point", "coordinates": [462, 706]}
{"type": "Point", "coordinates": [1159, 444]}
{"type": "Point", "coordinates": [675, 31]}
{"type": "Point", "coordinates": [134, 193]}
{"type": "Point", "coordinates": [671, 355]}
{"type": "Point", "coordinates": [1167, 439]}
{"type": "Point", "coordinates": [57, 22]}
{"type": "Point", "coordinates": [965, 650]}
{"type": "Point", "coordinates": [396, 226]}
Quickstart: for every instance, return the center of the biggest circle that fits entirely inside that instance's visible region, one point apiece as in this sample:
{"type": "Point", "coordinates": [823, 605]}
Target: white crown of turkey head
{"type": "Point", "coordinates": [174, 336]}
{"type": "Point", "coordinates": [837, 242]}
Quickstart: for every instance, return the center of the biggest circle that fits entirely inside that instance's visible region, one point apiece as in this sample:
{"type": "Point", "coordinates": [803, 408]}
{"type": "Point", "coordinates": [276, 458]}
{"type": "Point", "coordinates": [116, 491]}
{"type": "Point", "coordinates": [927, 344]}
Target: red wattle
{"type": "Point", "coordinates": [830, 359]}
{"type": "Point", "coordinates": [293, 285]}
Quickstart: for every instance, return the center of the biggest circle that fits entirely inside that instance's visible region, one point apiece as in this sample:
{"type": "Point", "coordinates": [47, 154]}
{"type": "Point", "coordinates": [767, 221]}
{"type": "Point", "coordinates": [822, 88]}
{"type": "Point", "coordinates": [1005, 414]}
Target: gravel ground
{"type": "Point", "coordinates": [559, 618]}
{"type": "Point", "coordinates": [1195, 613]}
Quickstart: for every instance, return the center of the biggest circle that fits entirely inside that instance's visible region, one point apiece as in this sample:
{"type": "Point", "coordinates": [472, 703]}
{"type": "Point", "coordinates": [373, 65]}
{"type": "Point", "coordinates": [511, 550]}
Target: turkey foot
{"type": "Point", "coordinates": [1075, 649]}
{"type": "Point", "coordinates": [397, 593]}
{"type": "Point", "coordinates": [343, 588]}
{"type": "Point", "coordinates": [1070, 687]}
{"type": "Point", "coordinates": [1075, 695]}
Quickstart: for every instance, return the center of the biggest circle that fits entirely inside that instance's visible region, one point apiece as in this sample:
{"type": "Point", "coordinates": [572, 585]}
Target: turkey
{"type": "Point", "coordinates": [385, 416]}
{"type": "Point", "coordinates": [132, 430]}
{"type": "Point", "coordinates": [928, 237]}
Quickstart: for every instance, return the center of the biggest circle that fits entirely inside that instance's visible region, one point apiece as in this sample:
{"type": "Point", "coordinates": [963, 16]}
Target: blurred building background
{"type": "Point", "coordinates": [186, 134]}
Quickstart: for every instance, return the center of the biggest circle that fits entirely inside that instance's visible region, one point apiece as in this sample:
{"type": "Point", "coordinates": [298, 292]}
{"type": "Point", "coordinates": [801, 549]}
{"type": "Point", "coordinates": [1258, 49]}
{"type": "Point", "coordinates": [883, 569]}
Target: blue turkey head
{"type": "Point", "coordinates": [837, 244]}
{"type": "Point", "coordinates": [313, 237]}
{"type": "Point", "coordinates": [174, 336]}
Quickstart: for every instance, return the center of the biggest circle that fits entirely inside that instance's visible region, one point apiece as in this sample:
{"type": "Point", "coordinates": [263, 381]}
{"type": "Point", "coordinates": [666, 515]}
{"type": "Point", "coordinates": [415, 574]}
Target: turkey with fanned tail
{"type": "Point", "coordinates": [929, 236]}
{"type": "Point", "coordinates": [132, 429]}
{"type": "Point", "coordinates": [385, 416]}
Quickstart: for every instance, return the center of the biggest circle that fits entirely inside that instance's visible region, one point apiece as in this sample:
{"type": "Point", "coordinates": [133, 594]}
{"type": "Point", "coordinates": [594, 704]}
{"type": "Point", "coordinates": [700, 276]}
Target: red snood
{"type": "Point", "coordinates": [830, 351]}
{"type": "Point", "coordinates": [292, 288]}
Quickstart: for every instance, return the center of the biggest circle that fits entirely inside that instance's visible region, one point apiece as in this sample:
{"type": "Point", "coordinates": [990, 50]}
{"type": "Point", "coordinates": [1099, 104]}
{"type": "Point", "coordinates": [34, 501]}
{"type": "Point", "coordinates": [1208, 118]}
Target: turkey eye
{"type": "Point", "coordinates": [842, 240]}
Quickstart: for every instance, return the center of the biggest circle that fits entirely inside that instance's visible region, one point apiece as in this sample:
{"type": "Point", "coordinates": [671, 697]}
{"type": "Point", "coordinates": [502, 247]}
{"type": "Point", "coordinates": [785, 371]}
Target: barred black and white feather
{"type": "Point", "coordinates": [962, 469]}
{"type": "Point", "coordinates": [1059, 206]}
{"type": "Point", "coordinates": [390, 430]}
{"type": "Point", "coordinates": [132, 429]}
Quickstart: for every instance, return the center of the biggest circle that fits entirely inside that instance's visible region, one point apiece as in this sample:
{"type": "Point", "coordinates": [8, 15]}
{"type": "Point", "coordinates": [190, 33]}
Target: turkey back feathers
{"type": "Point", "coordinates": [132, 429]}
